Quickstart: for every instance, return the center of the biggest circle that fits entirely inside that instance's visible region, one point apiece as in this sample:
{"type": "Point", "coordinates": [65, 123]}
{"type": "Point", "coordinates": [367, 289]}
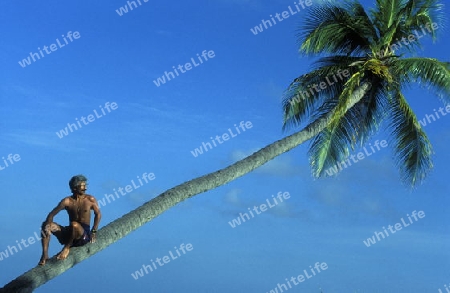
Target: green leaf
{"type": "Point", "coordinates": [412, 148]}
{"type": "Point", "coordinates": [429, 72]}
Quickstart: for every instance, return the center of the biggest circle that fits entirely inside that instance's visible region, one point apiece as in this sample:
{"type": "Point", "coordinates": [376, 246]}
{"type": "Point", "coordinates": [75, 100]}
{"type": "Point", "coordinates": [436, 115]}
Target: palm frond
{"type": "Point", "coordinates": [364, 24]}
{"type": "Point", "coordinates": [418, 18]}
{"type": "Point", "coordinates": [341, 107]}
{"type": "Point", "coordinates": [412, 149]}
{"type": "Point", "coordinates": [364, 18]}
{"type": "Point", "coordinates": [333, 29]}
{"type": "Point", "coordinates": [330, 145]}
{"type": "Point", "coordinates": [386, 18]}
{"type": "Point", "coordinates": [333, 143]}
{"type": "Point", "coordinates": [301, 100]}
{"type": "Point", "coordinates": [365, 117]}
{"type": "Point", "coordinates": [366, 45]}
{"type": "Point", "coordinates": [427, 71]}
{"type": "Point", "coordinates": [400, 20]}
{"type": "Point", "coordinates": [419, 13]}
{"type": "Point", "coordinates": [370, 112]}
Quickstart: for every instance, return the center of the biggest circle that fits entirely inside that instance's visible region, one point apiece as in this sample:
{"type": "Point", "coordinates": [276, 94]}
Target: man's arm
{"type": "Point", "coordinates": [97, 217]}
{"type": "Point", "coordinates": [62, 205]}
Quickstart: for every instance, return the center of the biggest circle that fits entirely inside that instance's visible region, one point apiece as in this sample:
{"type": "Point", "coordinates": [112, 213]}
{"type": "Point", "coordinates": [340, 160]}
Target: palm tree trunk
{"type": "Point", "coordinates": [121, 227]}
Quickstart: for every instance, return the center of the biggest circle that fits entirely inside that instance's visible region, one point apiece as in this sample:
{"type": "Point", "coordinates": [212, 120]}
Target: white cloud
{"type": "Point", "coordinates": [40, 139]}
{"type": "Point", "coordinates": [355, 192]}
{"type": "Point", "coordinates": [235, 204]}
{"type": "Point", "coordinates": [232, 197]}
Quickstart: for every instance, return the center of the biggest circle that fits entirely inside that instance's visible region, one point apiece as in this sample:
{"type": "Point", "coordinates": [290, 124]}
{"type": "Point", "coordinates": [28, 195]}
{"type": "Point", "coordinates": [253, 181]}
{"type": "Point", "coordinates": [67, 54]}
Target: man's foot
{"type": "Point", "coordinates": [43, 260]}
{"type": "Point", "coordinates": [64, 253]}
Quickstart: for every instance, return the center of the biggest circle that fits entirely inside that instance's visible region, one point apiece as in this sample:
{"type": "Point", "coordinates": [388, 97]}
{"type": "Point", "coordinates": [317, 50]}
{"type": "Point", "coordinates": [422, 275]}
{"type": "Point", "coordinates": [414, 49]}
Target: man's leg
{"type": "Point", "coordinates": [46, 233]}
{"type": "Point", "coordinates": [76, 231]}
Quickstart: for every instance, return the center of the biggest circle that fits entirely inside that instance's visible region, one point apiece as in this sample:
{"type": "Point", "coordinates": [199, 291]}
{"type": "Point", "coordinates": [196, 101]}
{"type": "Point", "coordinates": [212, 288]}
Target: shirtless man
{"type": "Point", "coordinates": [78, 233]}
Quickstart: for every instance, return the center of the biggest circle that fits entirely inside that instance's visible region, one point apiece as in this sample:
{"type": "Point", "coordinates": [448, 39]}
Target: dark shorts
{"type": "Point", "coordinates": [85, 238]}
{"type": "Point", "coordinates": [66, 233]}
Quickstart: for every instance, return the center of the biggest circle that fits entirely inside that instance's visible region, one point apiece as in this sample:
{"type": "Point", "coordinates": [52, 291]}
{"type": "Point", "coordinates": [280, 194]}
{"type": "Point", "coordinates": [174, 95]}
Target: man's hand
{"type": "Point", "coordinates": [48, 228]}
{"type": "Point", "coordinates": [93, 237]}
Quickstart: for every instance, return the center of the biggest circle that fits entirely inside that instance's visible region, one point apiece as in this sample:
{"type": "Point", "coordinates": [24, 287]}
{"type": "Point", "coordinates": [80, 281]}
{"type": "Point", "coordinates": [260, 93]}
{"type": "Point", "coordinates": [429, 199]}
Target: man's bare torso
{"type": "Point", "coordinates": [79, 210]}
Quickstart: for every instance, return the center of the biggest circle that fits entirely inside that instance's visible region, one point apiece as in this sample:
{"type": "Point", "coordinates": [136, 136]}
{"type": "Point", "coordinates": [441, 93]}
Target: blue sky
{"type": "Point", "coordinates": [154, 129]}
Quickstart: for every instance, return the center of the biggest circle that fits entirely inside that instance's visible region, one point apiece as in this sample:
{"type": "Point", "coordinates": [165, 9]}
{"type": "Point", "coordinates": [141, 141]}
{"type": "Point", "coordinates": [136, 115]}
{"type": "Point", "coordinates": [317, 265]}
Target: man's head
{"type": "Point", "coordinates": [77, 184]}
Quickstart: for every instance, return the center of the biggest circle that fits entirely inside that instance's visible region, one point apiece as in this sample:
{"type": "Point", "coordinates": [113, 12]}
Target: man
{"type": "Point", "coordinates": [78, 233]}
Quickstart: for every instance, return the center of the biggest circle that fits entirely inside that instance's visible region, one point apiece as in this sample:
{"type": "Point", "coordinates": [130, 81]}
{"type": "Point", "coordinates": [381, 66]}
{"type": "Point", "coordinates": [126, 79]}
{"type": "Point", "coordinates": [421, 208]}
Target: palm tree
{"type": "Point", "coordinates": [370, 47]}
{"type": "Point", "coordinates": [343, 114]}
